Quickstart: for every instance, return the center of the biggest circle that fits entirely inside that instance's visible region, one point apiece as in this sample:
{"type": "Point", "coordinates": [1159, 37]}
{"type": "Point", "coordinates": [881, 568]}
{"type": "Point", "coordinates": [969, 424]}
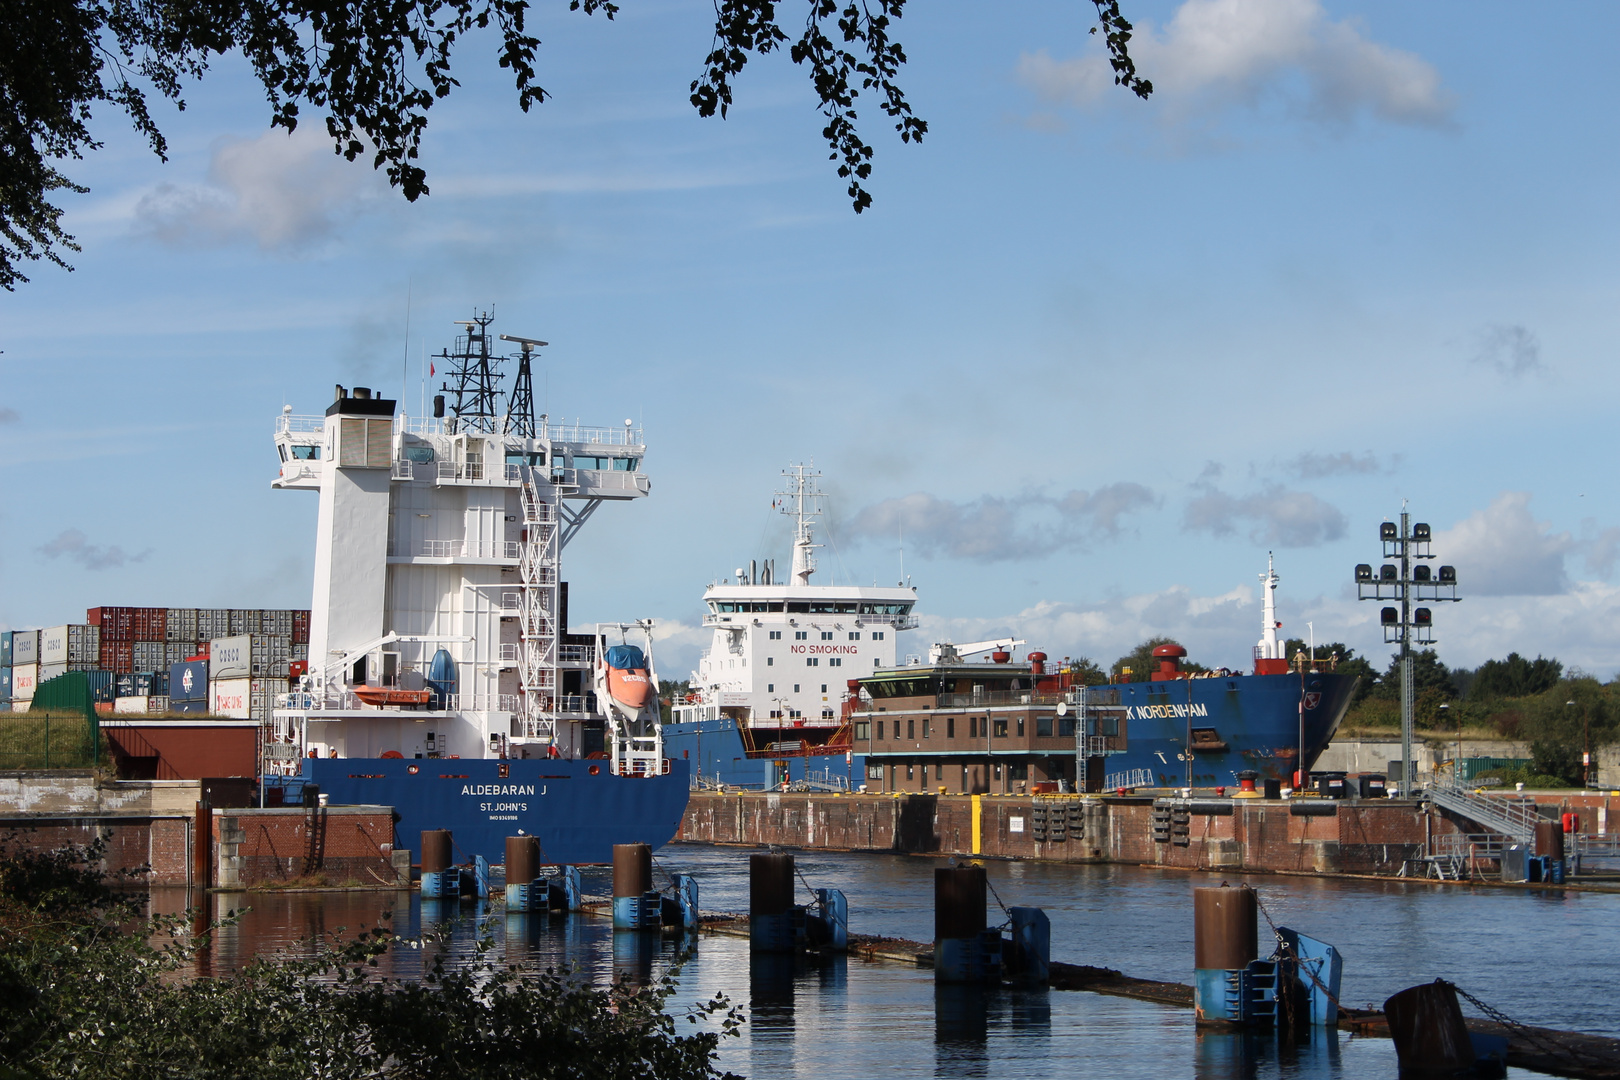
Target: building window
{"type": "Point", "coordinates": [812, 661]}
{"type": "Point", "coordinates": [1020, 727]}
{"type": "Point", "coordinates": [880, 731]}
{"type": "Point", "coordinates": [877, 635]}
{"type": "Point", "coordinates": [801, 635]}
{"type": "Point", "coordinates": [823, 688]}
{"type": "Point", "coordinates": [950, 727]}
{"type": "Point", "coordinates": [770, 688]}
{"type": "Point", "coordinates": [835, 661]}
{"type": "Point", "coordinates": [996, 770]}
{"type": "Point", "coordinates": [863, 730]}
{"type": "Point", "coordinates": [854, 635]}
{"type": "Point", "coordinates": [875, 662]}
{"type": "Point", "coordinates": [1043, 727]}
{"type": "Point", "coordinates": [909, 768]}
{"type": "Point", "coordinates": [911, 729]}
{"type": "Point", "coordinates": [1001, 727]}
{"type": "Point", "coordinates": [826, 635]}
{"type": "Point", "coordinates": [795, 688]}
{"type": "Point", "coordinates": [874, 772]}
{"type": "Point", "coordinates": [776, 635]}
{"type": "Point", "coordinates": [1066, 726]}
{"type": "Point", "coordinates": [770, 661]}
{"type": "Point", "coordinates": [939, 770]}
{"type": "Point", "coordinates": [973, 727]}
{"type": "Point", "coordinates": [925, 727]}
{"type": "Point", "coordinates": [1018, 770]}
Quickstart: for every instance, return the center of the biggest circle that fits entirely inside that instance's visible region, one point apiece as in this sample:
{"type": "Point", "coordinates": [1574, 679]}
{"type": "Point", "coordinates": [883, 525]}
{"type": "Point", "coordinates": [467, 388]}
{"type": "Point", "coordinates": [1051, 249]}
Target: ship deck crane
{"type": "Point", "coordinates": [943, 652]}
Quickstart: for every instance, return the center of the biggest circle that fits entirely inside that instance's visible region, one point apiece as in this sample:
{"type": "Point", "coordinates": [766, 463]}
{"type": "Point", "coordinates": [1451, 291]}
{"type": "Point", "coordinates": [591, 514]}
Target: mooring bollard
{"type": "Point", "coordinates": [963, 950]}
{"type": "Point", "coordinates": [632, 882]}
{"type": "Point", "coordinates": [770, 903]}
{"type": "Point", "coordinates": [438, 880]}
{"type": "Point", "coordinates": [681, 907]}
{"type": "Point", "coordinates": [522, 868]}
{"type": "Point", "coordinates": [1426, 1024]}
{"type": "Point", "coordinates": [1225, 943]}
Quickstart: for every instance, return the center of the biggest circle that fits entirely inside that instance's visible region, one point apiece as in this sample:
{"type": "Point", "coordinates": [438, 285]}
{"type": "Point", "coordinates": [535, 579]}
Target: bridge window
{"type": "Point", "coordinates": [1043, 727]}
{"type": "Point", "coordinates": [301, 452]}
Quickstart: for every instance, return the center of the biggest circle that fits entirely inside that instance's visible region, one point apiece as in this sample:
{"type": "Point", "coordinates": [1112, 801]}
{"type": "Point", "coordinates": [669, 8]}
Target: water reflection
{"type": "Point", "coordinates": [771, 1016]}
{"type": "Point", "coordinates": [1247, 1055]}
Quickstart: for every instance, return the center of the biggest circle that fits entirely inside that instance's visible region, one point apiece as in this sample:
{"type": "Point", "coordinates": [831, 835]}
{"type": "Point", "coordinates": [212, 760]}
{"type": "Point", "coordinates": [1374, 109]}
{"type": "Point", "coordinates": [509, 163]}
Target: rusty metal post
{"type": "Point", "coordinates": [960, 953]}
{"type": "Point", "coordinates": [522, 867]}
{"type": "Point", "coordinates": [1225, 940]}
{"type": "Point", "coordinates": [1426, 1024]}
{"type": "Point", "coordinates": [632, 880]}
{"type": "Point", "coordinates": [770, 903]}
{"type": "Point", "coordinates": [202, 846]}
{"type": "Point", "coordinates": [438, 880]}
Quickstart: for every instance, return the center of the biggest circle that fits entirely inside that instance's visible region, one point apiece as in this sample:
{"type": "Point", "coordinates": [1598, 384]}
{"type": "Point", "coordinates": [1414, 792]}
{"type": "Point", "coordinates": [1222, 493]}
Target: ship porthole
{"type": "Point", "coordinates": [596, 770]}
{"type": "Point", "coordinates": [412, 769]}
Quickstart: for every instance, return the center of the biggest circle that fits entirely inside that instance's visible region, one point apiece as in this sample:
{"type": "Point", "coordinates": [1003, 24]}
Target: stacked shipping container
{"type": "Point", "coordinates": [129, 641]}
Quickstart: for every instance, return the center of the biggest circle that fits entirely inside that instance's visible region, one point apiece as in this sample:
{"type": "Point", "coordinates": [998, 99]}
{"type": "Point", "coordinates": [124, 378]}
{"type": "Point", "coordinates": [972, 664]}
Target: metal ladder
{"type": "Point", "coordinates": [537, 568]}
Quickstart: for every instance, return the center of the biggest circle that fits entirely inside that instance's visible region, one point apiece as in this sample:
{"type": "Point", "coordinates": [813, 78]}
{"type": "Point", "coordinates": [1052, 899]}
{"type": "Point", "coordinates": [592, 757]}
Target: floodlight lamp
{"type": "Point", "coordinates": [1363, 572]}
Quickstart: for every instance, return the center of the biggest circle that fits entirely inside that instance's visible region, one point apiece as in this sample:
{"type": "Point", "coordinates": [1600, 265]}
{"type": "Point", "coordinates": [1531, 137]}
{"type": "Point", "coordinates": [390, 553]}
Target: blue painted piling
{"type": "Point", "coordinates": [771, 912]}
{"type": "Point", "coordinates": [964, 951]}
{"type": "Point", "coordinates": [635, 905]}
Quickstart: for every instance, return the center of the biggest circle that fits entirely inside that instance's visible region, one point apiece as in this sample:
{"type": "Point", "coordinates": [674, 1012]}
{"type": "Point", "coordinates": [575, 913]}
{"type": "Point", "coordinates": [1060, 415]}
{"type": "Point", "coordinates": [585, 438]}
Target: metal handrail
{"type": "Point", "coordinates": [1508, 815]}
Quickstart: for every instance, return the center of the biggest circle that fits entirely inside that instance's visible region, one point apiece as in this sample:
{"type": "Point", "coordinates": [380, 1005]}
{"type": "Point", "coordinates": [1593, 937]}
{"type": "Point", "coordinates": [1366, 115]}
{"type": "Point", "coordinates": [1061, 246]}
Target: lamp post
{"type": "Point", "coordinates": [1586, 749]}
{"type": "Point", "coordinates": [1456, 762]}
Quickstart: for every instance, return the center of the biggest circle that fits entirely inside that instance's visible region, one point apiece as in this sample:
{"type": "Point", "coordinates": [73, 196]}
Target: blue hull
{"type": "Point", "coordinates": [1258, 717]}
{"type": "Point", "coordinates": [713, 749]}
{"type": "Point", "coordinates": [577, 815]}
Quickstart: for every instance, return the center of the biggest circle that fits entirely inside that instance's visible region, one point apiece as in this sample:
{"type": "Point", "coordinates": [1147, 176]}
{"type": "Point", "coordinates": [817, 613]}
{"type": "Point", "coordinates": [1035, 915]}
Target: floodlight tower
{"type": "Point", "coordinates": [1406, 583]}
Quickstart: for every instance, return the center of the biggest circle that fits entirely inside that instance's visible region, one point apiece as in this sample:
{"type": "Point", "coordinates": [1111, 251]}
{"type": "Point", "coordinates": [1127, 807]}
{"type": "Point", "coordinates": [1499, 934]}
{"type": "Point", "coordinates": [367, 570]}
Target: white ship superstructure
{"type": "Point", "coordinates": [437, 623]}
{"type": "Point", "coordinates": [783, 652]}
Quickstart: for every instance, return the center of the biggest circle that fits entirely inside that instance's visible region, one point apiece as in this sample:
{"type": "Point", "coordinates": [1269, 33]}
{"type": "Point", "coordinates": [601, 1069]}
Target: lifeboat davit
{"type": "Point", "coordinates": [627, 679]}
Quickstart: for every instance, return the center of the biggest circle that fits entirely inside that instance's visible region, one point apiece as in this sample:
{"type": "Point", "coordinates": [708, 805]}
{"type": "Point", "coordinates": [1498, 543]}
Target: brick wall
{"type": "Point", "coordinates": [149, 851]}
{"type": "Point", "coordinates": [1373, 837]}
{"type": "Point", "coordinates": [344, 843]}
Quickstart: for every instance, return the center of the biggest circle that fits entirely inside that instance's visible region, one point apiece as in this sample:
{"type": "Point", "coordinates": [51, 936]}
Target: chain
{"type": "Point", "coordinates": [1299, 964]}
{"type": "Point", "coordinates": [1529, 1034]}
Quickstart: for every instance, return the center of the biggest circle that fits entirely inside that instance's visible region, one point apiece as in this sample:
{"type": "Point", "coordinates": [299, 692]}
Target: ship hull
{"type": "Point", "coordinates": [1258, 718]}
{"type": "Point", "coordinates": [576, 808]}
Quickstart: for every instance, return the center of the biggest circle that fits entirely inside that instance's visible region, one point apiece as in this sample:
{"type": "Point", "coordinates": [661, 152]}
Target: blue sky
{"type": "Point", "coordinates": [1094, 357]}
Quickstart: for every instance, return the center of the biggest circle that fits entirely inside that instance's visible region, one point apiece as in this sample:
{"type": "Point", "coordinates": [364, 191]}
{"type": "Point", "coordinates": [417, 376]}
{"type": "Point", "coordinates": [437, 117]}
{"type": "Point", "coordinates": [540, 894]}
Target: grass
{"type": "Point", "coordinates": [318, 880]}
{"type": "Point", "coordinates": [47, 740]}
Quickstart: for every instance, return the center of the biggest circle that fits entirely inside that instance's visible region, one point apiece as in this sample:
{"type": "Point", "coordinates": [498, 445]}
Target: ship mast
{"type": "Point", "coordinates": [473, 378]}
{"type": "Point", "coordinates": [1269, 647]}
{"type": "Point", "coordinates": [804, 506]}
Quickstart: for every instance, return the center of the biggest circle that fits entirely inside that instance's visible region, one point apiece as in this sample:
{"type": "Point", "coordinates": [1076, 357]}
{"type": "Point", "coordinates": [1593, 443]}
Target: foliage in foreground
{"type": "Point", "coordinates": [85, 993]}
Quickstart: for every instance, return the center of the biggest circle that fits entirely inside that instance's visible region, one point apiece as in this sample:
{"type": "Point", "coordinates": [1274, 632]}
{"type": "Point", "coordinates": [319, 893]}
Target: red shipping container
{"type": "Point", "coordinates": [300, 634]}
{"type": "Point", "coordinates": [118, 657]}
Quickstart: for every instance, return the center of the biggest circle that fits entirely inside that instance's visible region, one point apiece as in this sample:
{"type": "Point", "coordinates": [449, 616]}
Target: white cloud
{"type": "Point", "coordinates": [76, 546]}
{"type": "Point", "coordinates": [1280, 517]}
{"type": "Point", "coordinates": [1504, 551]}
{"type": "Point", "coordinates": [994, 527]}
{"type": "Point", "coordinates": [1216, 54]}
{"type": "Point", "coordinates": [677, 646]}
{"type": "Point", "coordinates": [1510, 351]}
{"type": "Point", "coordinates": [284, 192]}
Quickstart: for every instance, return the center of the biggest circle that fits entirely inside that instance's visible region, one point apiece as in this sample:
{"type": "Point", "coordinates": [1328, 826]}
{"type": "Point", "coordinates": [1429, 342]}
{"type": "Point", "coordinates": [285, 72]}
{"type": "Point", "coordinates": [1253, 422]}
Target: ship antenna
{"type": "Point", "coordinates": [472, 370]}
{"type": "Point", "coordinates": [520, 403]}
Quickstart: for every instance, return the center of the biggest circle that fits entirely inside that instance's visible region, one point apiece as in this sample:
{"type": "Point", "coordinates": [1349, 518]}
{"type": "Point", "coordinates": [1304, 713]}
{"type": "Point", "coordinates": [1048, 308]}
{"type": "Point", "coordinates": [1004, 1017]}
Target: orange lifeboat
{"type": "Point", "coordinates": [627, 679]}
{"type": "Point", "coordinates": [381, 696]}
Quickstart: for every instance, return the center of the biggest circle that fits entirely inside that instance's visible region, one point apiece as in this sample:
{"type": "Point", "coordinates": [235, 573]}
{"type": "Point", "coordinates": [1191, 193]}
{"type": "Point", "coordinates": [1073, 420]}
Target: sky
{"type": "Point", "coordinates": [1081, 366]}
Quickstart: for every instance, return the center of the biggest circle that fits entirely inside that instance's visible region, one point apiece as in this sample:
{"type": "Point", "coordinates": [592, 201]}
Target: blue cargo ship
{"type": "Point", "coordinates": [1001, 727]}
{"type": "Point", "coordinates": [443, 679]}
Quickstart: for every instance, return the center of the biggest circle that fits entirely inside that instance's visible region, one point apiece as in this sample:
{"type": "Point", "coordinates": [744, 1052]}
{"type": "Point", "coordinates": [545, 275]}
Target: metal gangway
{"type": "Point", "coordinates": [1509, 815]}
{"type": "Point", "coordinates": [1130, 778]}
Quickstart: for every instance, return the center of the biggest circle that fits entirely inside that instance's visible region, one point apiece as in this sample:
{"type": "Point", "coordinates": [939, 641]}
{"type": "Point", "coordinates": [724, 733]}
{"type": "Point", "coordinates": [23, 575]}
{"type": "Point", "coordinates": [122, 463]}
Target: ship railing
{"type": "Point", "coordinates": [481, 702]}
{"type": "Point", "coordinates": [610, 479]}
{"type": "Point", "coordinates": [300, 424]}
{"type": "Point", "coordinates": [576, 654]}
{"type": "Point", "coordinates": [1130, 778]}
{"type": "Point", "coordinates": [987, 697]}
{"type": "Point", "coordinates": [506, 550]}
{"type": "Point", "coordinates": [304, 701]}
{"type": "Point", "coordinates": [598, 436]}
{"type": "Point", "coordinates": [510, 652]}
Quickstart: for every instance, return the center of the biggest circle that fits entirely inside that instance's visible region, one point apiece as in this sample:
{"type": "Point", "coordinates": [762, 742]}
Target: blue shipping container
{"type": "Point", "coordinates": [5, 684]}
{"type": "Point", "coordinates": [101, 685]}
{"type": "Point", "coordinates": [188, 681]}
{"type": "Point", "coordinates": [5, 648]}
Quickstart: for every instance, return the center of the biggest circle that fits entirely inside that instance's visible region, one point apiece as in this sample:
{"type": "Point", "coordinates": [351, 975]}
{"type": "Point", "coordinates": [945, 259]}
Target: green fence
{"type": "Point", "coordinates": [49, 740]}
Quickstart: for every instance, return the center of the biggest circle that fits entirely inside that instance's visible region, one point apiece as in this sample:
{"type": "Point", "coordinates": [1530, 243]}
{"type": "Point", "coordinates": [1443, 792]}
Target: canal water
{"type": "Point", "coordinates": [1542, 957]}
